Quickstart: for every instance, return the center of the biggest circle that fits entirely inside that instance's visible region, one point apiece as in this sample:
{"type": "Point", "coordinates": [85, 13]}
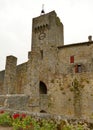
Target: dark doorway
{"type": "Point", "coordinates": [42, 88]}
{"type": "Point", "coordinates": [43, 111]}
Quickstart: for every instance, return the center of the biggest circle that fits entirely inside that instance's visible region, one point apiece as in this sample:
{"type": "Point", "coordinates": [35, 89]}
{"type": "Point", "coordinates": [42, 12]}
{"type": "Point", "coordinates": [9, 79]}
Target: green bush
{"type": "Point", "coordinates": [5, 119]}
{"type": "Point", "coordinates": [25, 122]}
{"type": "Point", "coordinates": [48, 125]}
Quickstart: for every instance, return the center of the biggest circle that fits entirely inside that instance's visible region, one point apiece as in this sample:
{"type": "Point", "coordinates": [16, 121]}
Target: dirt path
{"type": "Point", "coordinates": [6, 128]}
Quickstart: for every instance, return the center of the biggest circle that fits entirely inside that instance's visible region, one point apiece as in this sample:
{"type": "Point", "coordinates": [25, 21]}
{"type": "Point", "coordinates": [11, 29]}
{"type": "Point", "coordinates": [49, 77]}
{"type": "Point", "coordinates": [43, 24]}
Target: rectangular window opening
{"type": "Point", "coordinates": [78, 68]}
{"type": "Point", "coordinates": [71, 59]}
{"type": "Point", "coordinates": [41, 51]}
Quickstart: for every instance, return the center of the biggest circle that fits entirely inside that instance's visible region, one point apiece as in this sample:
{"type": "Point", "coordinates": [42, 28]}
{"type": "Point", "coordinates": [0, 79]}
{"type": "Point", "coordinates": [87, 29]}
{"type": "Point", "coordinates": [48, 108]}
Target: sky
{"type": "Point", "coordinates": [16, 24]}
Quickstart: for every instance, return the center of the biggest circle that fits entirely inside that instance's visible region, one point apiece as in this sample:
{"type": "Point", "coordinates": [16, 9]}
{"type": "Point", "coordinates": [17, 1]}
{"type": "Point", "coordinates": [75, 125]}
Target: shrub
{"type": "Point", "coordinates": [5, 119]}
{"type": "Point", "coordinates": [48, 125]}
{"type": "Point", "coordinates": [18, 121]}
{"type": "Point", "coordinates": [25, 122]}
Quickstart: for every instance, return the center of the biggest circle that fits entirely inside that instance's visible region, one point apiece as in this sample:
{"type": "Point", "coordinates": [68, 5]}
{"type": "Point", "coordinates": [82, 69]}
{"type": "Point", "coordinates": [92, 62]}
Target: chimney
{"type": "Point", "coordinates": [90, 38]}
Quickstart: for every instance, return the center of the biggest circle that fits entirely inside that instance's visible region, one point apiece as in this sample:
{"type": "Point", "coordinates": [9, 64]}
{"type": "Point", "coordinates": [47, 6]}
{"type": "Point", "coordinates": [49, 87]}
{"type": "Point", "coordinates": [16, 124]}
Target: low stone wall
{"type": "Point", "coordinates": [14, 101]}
{"type": "Point", "coordinates": [2, 99]}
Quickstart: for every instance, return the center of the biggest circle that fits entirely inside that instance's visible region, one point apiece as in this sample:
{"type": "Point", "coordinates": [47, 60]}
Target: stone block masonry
{"type": "Point", "coordinates": [14, 101]}
{"type": "Point", "coordinates": [10, 75]}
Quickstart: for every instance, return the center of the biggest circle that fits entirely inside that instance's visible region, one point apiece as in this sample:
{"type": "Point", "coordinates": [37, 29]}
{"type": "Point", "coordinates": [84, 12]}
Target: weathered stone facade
{"type": "Point", "coordinates": [57, 78]}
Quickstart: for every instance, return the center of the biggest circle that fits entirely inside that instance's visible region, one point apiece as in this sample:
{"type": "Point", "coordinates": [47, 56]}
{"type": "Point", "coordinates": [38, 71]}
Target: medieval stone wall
{"type": "Point", "coordinates": [1, 81]}
{"type": "Point", "coordinates": [71, 95]}
{"type": "Point", "coordinates": [21, 77]}
{"type": "Point", "coordinates": [70, 92]}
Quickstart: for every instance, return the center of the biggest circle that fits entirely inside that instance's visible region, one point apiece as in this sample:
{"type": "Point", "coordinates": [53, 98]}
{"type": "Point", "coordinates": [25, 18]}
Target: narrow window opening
{"type": "Point", "coordinates": [38, 28]}
{"type": "Point", "coordinates": [71, 59]}
{"type": "Point", "coordinates": [41, 51]}
{"type": "Point", "coordinates": [79, 69]}
{"type": "Point", "coordinates": [47, 26]}
{"type": "Point", "coordinates": [35, 30]}
{"type": "Point", "coordinates": [43, 27]}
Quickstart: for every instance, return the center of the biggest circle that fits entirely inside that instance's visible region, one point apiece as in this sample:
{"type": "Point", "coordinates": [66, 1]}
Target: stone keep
{"type": "Point", "coordinates": [57, 78]}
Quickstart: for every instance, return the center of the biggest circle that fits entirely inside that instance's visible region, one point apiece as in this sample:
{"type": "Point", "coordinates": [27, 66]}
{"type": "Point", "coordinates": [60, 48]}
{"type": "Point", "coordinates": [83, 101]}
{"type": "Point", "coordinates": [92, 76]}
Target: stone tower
{"type": "Point", "coordinates": [47, 35]}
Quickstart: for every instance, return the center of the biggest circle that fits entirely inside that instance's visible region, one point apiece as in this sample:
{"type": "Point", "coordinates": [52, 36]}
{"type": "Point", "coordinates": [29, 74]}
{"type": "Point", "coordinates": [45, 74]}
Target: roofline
{"type": "Point", "coordinates": [76, 44]}
{"type": "Point", "coordinates": [45, 14]}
